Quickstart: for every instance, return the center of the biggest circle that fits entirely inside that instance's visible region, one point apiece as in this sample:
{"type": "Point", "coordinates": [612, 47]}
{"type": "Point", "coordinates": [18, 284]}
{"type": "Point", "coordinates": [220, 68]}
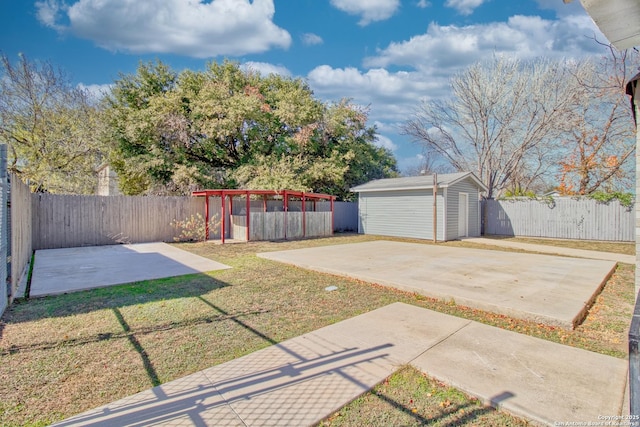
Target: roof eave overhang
{"type": "Point", "coordinates": [617, 19]}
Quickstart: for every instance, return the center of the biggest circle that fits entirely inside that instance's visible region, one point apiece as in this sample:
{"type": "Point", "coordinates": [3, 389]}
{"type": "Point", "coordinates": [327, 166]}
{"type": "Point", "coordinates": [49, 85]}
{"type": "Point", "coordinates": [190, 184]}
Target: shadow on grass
{"type": "Point", "coordinates": [146, 362]}
{"type": "Point", "coordinates": [471, 410]}
{"type": "Point", "coordinates": [115, 296]}
{"type": "Point", "coordinates": [238, 321]}
{"type": "Point", "coordinates": [114, 299]}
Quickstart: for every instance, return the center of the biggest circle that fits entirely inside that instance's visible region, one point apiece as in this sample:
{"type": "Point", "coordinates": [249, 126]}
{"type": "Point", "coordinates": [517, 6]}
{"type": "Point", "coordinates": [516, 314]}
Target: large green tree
{"type": "Point", "coordinates": [51, 127]}
{"type": "Point", "coordinates": [227, 127]}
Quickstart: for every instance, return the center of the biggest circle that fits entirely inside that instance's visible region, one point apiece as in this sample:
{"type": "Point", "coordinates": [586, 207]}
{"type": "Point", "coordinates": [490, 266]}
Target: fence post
{"type": "Point", "coordinates": [5, 286]}
{"type": "Point", "coordinates": [634, 361]}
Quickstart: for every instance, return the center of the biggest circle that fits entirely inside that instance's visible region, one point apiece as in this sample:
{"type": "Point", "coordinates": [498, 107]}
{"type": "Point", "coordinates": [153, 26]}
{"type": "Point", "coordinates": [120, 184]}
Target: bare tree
{"type": "Point", "coordinates": [429, 163]}
{"type": "Point", "coordinates": [600, 139]}
{"type": "Point", "coordinates": [501, 120]}
{"type": "Point", "coordinates": [50, 127]}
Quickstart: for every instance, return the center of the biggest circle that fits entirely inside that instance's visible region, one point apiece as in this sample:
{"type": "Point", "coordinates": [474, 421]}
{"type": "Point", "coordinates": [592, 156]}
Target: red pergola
{"type": "Point", "coordinates": [285, 194]}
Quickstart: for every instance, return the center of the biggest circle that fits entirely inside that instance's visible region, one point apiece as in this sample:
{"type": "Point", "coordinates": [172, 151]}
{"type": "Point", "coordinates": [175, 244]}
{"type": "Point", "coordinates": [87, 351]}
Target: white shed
{"type": "Point", "coordinates": [403, 207]}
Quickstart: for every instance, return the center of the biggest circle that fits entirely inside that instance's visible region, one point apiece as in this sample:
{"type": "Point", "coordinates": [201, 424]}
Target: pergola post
{"type": "Point", "coordinates": [286, 212]}
{"type": "Point", "coordinates": [206, 218]}
{"type": "Point", "coordinates": [248, 214]}
{"type": "Point", "coordinates": [304, 217]}
{"type": "Point", "coordinates": [222, 210]}
{"type": "Point", "coordinates": [332, 216]}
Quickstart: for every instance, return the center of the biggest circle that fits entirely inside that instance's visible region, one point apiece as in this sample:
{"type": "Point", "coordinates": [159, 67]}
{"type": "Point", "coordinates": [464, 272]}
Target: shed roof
{"type": "Point", "coordinates": [417, 182]}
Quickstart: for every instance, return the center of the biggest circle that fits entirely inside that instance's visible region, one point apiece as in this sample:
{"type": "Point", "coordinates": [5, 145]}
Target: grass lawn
{"type": "Point", "coordinates": [65, 354]}
{"type": "Point", "coordinates": [627, 248]}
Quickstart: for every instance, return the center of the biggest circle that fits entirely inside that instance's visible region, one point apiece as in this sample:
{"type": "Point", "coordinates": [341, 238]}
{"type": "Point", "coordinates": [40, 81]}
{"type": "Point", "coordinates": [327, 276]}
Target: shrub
{"type": "Point", "coordinates": [193, 229]}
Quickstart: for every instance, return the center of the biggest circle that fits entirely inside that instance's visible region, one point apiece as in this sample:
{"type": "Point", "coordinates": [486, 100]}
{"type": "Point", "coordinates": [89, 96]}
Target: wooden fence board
{"type": "Point", "coordinates": [561, 218]}
{"type": "Point", "coordinates": [21, 231]}
{"type": "Point", "coordinates": [71, 221]}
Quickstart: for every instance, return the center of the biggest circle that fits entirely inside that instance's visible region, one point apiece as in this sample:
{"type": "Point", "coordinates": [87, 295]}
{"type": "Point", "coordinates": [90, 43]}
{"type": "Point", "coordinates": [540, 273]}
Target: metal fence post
{"type": "Point", "coordinates": [4, 242]}
{"type": "Point", "coordinates": [634, 361]}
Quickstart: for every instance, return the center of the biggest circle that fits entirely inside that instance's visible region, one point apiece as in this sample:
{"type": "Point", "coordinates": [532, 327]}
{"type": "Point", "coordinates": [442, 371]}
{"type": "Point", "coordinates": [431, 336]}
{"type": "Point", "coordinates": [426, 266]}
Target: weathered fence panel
{"type": "Point", "coordinates": [21, 231]}
{"type": "Point", "coordinates": [560, 218]}
{"type": "Point", "coordinates": [61, 221]}
{"type": "Point", "coordinates": [345, 216]}
{"type": "Point", "coordinates": [318, 224]}
{"type": "Point", "coordinates": [270, 225]}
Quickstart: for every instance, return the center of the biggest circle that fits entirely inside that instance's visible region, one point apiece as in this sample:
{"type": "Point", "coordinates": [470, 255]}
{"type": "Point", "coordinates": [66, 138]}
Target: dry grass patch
{"type": "Point", "coordinates": [410, 398]}
{"type": "Point", "coordinates": [626, 248]}
{"type": "Point", "coordinates": [65, 354]}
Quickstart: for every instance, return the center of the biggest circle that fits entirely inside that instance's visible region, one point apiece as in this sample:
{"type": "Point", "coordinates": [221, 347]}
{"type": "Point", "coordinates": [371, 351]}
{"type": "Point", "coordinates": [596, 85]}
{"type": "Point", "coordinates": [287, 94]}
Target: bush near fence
{"type": "Point", "coordinates": [560, 218]}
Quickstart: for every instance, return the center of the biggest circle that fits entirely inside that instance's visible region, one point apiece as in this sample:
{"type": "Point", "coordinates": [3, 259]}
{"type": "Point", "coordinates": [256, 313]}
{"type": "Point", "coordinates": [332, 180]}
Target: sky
{"type": "Point", "coordinates": [386, 55]}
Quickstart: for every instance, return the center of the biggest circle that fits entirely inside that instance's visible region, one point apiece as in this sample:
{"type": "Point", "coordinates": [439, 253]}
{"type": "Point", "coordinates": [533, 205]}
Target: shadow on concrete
{"type": "Point", "coordinates": [204, 398]}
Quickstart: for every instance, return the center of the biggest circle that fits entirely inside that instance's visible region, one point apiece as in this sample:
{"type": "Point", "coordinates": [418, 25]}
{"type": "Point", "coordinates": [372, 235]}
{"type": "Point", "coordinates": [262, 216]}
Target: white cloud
{"type": "Point", "coordinates": [48, 12]}
{"type": "Point", "coordinates": [310, 39]}
{"type": "Point", "coordinates": [562, 8]}
{"type": "Point", "coordinates": [446, 49]}
{"type": "Point", "coordinates": [369, 10]}
{"type": "Point", "coordinates": [96, 91]}
{"type": "Point", "coordinates": [185, 27]}
{"type": "Point", "coordinates": [423, 4]}
{"type": "Point", "coordinates": [391, 95]}
{"type": "Point", "coordinates": [393, 83]}
{"type": "Point", "coordinates": [413, 163]}
{"type": "Point", "coordinates": [464, 7]}
{"type": "Point", "coordinates": [385, 142]}
{"type": "Point", "coordinates": [265, 69]}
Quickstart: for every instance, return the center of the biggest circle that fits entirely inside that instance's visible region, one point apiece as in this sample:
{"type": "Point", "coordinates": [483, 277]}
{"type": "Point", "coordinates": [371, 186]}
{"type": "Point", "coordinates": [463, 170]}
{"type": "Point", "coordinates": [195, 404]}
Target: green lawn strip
{"type": "Point", "coordinates": [626, 248]}
{"type": "Point", "coordinates": [410, 398]}
{"type": "Point", "coordinates": [65, 354]}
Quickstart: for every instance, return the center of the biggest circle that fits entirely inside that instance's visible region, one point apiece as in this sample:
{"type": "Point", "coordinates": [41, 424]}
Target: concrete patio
{"type": "Point", "coordinates": [543, 288]}
{"type": "Point", "coordinates": [57, 271]}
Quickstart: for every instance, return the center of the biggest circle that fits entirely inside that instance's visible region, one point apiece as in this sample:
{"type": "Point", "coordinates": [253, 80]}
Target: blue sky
{"type": "Point", "coordinates": [388, 55]}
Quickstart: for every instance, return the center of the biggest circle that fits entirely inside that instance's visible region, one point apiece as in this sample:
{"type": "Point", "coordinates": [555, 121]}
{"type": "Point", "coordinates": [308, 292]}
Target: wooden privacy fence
{"type": "Point", "coordinates": [21, 231]}
{"type": "Point", "coordinates": [51, 221]}
{"type": "Point", "coordinates": [560, 218]}
{"type": "Point", "coordinates": [61, 221]}
{"type": "Point", "coordinates": [281, 225]}
{"type": "Point", "coordinates": [345, 216]}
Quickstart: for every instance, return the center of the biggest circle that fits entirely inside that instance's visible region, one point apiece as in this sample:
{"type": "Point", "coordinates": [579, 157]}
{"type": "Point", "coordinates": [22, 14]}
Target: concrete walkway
{"type": "Point", "coordinates": [305, 379]}
{"type": "Point", "coordinates": [556, 250]}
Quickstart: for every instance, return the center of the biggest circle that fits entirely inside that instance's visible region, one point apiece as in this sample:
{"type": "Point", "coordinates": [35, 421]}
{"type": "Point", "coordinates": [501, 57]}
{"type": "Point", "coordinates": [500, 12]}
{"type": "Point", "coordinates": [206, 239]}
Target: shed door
{"type": "Point", "coordinates": [463, 215]}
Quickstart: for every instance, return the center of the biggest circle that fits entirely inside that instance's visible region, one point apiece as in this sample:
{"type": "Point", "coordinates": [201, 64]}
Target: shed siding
{"type": "Point", "coordinates": [406, 213]}
{"type": "Point", "coordinates": [469, 187]}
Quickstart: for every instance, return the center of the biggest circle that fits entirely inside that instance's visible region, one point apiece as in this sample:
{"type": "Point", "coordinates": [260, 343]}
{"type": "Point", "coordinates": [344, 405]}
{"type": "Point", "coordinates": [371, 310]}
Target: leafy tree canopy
{"type": "Point", "coordinates": [227, 128]}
